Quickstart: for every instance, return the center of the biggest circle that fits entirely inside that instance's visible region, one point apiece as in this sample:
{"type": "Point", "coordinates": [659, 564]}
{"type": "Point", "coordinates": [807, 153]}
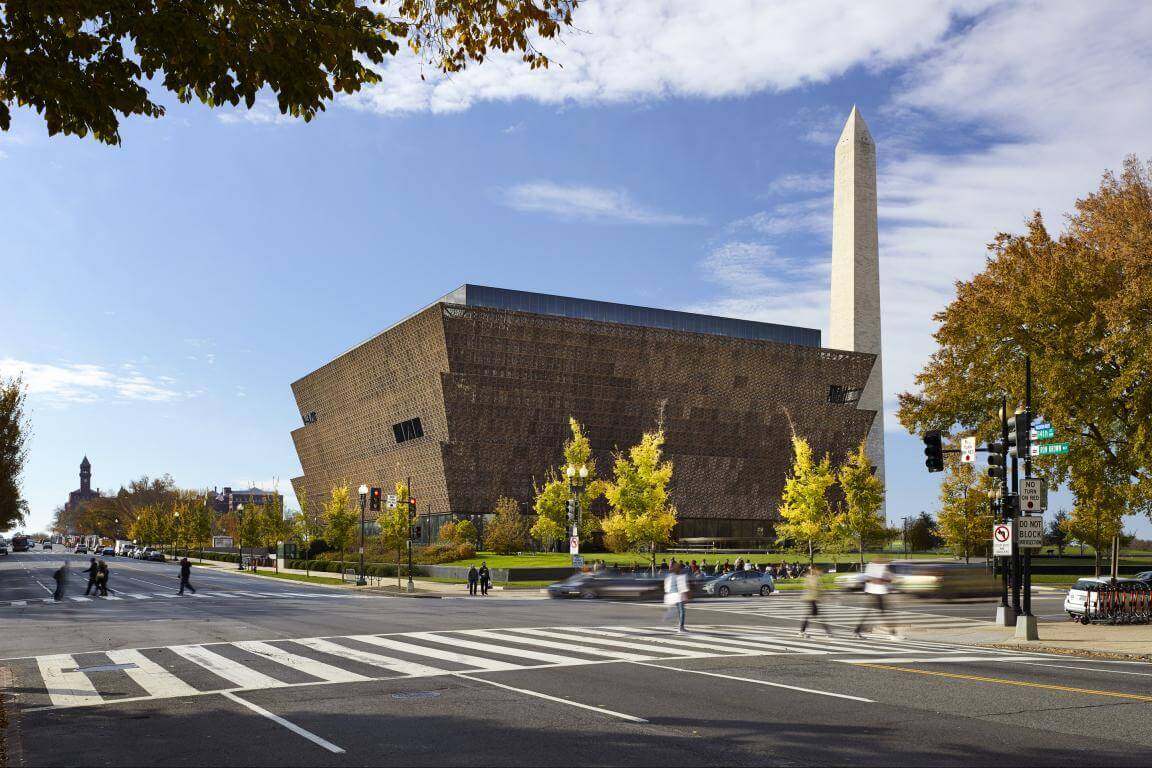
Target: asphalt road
{"type": "Point", "coordinates": [254, 671]}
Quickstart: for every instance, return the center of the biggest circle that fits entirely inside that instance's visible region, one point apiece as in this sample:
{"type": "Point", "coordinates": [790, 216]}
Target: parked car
{"type": "Point", "coordinates": [81, 549]}
{"type": "Point", "coordinates": [741, 583]}
{"type": "Point", "coordinates": [1144, 576]}
{"type": "Point", "coordinates": [3, 547]}
{"type": "Point", "coordinates": [1076, 601]}
{"type": "Point", "coordinates": [108, 552]}
{"type": "Point", "coordinates": [46, 545]}
{"type": "Point", "coordinates": [155, 555]}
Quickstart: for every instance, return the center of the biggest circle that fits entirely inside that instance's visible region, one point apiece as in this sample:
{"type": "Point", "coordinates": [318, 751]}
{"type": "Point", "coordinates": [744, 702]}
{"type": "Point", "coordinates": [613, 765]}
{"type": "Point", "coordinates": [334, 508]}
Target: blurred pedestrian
{"type": "Point", "coordinates": [676, 594]}
{"type": "Point", "coordinates": [877, 578]}
{"type": "Point", "coordinates": [93, 569]}
{"type": "Point", "coordinates": [102, 579]}
{"type": "Point", "coordinates": [485, 578]}
{"type": "Point", "coordinates": [473, 579]}
{"type": "Point", "coordinates": [812, 590]}
{"type": "Point", "coordinates": [185, 575]}
{"type": "Point", "coordinates": [61, 576]}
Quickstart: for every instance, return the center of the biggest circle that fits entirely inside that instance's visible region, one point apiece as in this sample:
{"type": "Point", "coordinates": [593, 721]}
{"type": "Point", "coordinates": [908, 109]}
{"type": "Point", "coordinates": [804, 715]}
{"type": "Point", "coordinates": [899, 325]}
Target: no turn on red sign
{"type": "Point", "coordinates": [1001, 540]}
{"type": "Point", "coordinates": [968, 450]}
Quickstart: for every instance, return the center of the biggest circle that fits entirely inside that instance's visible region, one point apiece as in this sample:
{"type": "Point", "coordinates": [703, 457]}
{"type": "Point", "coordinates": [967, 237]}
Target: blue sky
{"type": "Point", "coordinates": [168, 291]}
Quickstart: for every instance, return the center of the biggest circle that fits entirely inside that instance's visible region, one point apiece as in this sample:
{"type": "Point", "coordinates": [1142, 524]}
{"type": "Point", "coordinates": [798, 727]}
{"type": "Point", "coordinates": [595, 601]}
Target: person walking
{"type": "Point", "coordinates": [185, 575]}
{"type": "Point", "coordinates": [485, 578]}
{"type": "Point", "coordinates": [676, 594]}
{"type": "Point", "coordinates": [877, 577]}
{"type": "Point", "coordinates": [473, 579]}
{"type": "Point", "coordinates": [61, 576]}
{"type": "Point", "coordinates": [93, 569]}
{"type": "Point", "coordinates": [812, 590]}
{"type": "Point", "coordinates": [102, 579]}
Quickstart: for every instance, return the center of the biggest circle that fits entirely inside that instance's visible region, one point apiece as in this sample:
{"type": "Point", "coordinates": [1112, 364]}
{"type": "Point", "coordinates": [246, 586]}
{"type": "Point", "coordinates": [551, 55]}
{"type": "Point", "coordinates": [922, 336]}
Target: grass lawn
{"type": "Point", "coordinates": [302, 577]}
{"type": "Point", "coordinates": [561, 560]}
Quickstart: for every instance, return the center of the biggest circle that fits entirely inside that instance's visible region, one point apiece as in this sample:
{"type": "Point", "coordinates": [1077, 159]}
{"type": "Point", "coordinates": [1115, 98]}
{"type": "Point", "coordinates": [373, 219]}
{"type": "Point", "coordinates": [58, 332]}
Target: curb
{"type": "Point", "coordinates": [1064, 651]}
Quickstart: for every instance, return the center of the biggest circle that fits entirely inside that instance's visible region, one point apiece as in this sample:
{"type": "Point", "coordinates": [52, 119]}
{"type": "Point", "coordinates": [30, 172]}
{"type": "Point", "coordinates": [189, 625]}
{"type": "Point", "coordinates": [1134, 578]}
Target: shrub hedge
{"type": "Point", "coordinates": [337, 566]}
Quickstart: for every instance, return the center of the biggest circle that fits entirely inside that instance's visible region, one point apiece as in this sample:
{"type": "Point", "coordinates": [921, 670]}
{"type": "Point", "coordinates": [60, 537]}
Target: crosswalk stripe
{"type": "Point", "coordinates": [81, 599]}
{"type": "Point", "coordinates": [306, 665]}
{"type": "Point", "coordinates": [18, 603]}
{"type": "Point", "coordinates": [753, 645]}
{"type": "Point", "coordinates": [476, 662]}
{"type": "Point", "coordinates": [150, 676]}
{"type": "Point", "coordinates": [224, 667]}
{"type": "Point", "coordinates": [136, 596]}
{"type": "Point", "coordinates": [112, 597]}
{"type": "Point", "coordinates": [819, 644]}
{"type": "Point", "coordinates": [549, 658]}
{"type": "Point", "coordinates": [66, 689]}
{"type": "Point", "coordinates": [171, 595]}
{"type": "Point", "coordinates": [580, 641]}
{"type": "Point", "coordinates": [536, 641]}
{"type": "Point", "coordinates": [217, 594]}
{"type": "Point", "coordinates": [710, 649]}
{"type": "Point", "coordinates": [373, 659]}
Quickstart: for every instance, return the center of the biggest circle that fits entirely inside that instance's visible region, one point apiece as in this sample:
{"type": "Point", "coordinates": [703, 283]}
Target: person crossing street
{"type": "Point", "coordinates": [877, 578]}
{"type": "Point", "coordinates": [473, 579]}
{"type": "Point", "coordinates": [61, 576]}
{"type": "Point", "coordinates": [676, 594]}
{"type": "Point", "coordinates": [185, 575]}
{"type": "Point", "coordinates": [812, 590]}
{"type": "Point", "coordinates": [92, 571]}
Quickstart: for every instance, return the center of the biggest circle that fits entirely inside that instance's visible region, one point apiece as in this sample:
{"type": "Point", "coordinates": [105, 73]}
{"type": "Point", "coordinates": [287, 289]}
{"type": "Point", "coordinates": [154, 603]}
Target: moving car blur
{"type": "Point", "coordinates": [740, 583]}
{"type": "Point", "coordinates": [945, 581]}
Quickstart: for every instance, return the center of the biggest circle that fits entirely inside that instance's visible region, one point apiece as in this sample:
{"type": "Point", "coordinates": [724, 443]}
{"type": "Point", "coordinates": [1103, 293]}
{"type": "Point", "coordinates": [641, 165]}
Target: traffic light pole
{"type": "Point", "coordinates": [1026, 623]}
{"type": "Point", "coordinates": [1008, 569]}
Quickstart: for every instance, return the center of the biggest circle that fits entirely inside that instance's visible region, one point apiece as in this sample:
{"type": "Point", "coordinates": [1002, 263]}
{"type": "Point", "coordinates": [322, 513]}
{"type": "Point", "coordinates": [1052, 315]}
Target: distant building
{"type": "Point", "coordinates": [84, 492]}
{"type": "Point", "coordinates": [227, 499]}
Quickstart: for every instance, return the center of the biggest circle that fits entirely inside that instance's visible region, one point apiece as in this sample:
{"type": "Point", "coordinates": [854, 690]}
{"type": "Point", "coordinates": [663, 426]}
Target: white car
{"type": "Point", "coordinates": [1076, 601]}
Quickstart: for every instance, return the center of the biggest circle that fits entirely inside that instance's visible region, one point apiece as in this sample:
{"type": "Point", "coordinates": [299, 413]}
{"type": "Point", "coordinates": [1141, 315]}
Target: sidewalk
{"type": "Point", "coordinates": [1126, 640]}
{"type": "Point", "coordinates": [386, 585]}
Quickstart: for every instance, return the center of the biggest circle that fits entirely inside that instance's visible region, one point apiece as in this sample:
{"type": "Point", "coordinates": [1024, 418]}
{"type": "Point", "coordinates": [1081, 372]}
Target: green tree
{"type": "Point", "coordinates": [340, 521]}
{"type": "Point", "coordinates": [465, 532]}
{"type": "Point", "coordinates": [806, 517]}
{"type": "Point", "coordinates": [551, 502]}
{"type": "Point", "coordinates": [1078, 305]}
{"type": "Point", "coordinates": [922, 535]}
{"type": "Point", "coordinates": [307, 528]}
{"type": "Point", "coordinates": [508, 531]}
{"type": "Point", "coordinates": [965, 519]}
{"type": "Point", "coordinates": [85, 63]}
{"type": "Point", "coordinates": [638, 496]}
{"type": "Point", "coordinates": [1058, 531]}
{"type": "Point", "coordinates": [274, 528]}
{"type": "Point", "coordinates": [14, 432]}
{"type": "Point", "coordinates": [859, 518]}
{"type": "Point", "coordinates": [1095, 517]}
{"type": "Point", "coordinates": [252, 527]}
{"type": "Point", "coordinates": [395, 527]}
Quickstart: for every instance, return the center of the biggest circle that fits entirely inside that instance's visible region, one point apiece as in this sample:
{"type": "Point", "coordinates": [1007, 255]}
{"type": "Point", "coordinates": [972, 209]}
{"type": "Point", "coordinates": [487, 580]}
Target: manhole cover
{"type": "Point", "coordinates": [416, 695]}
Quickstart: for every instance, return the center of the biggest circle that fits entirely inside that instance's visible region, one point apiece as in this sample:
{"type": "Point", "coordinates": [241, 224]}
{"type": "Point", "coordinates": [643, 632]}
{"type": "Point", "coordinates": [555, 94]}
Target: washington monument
{"type": "Point", "coordinates": [855, 322]}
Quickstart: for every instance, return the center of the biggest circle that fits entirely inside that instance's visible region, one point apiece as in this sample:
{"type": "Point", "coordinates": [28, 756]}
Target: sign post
{"type": "Point", "coordinates": [968, 450]}
{"type": "Point", "coordinates": [1002, 540]}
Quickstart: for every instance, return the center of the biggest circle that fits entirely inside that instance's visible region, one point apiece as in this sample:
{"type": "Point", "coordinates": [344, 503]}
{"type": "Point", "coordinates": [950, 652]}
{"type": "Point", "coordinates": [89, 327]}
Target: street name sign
{"type": "Point", "coordinates": [1001, 540]}
{"type": "Point", "coordinates": [1030, 531]}
{"type": "Point", "coordinates": [1033, 494]}
{"type": "Point", "coordinates": [1042, 433]}
{"type": "Point", "coordinates": [1051, 449]}
{"type": "Point", "coordinates": [968, 450]}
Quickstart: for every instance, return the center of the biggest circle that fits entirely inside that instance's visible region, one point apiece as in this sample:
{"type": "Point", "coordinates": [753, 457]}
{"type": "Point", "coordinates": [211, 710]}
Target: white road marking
{"type": "Point", "coordinates": [374, 659]}
{"type": "Point", "coordinates": [755, 681]}
{"type": "Point", "coordinates": [135, 596]}
{"type": "Point", "coordinates": [150, 676]}
{"type": "Point", "coordinates": [573, 643]}
{"type": "Point", "coordinates": [1032, 663]}
{"type": "Point", "coordinates": [306, 665]}
{"type": "Point", "coordinates": [66, 689]}
{"type": "Point", "coordinates": [224, 667]}
{"type": "Point", "coordinates": [537, 694]}
{"type": "Point", "coordinates": [81, 599]}
{"type": "Point", "coordinates": [927, 659]}
{"type": "Point", "coordinates": [281, 721]}
{"type": "Point", "coordinates": [598, 635]}
{"type": "Point", "coordinates": [472, 661]}
{"type": "Point", "coordinates": [457, 642]}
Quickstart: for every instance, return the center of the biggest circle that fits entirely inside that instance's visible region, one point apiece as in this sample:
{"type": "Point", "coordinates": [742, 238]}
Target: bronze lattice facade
{"type": "Point", "coordinates": [473, 402]}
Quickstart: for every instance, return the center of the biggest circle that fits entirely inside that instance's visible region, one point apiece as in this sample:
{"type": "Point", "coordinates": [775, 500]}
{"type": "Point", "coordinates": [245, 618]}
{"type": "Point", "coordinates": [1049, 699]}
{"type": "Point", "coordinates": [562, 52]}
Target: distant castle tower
{"type": "Point", "coordinates": [85, 476]}
{"type": "Point", "coordinates": [855, 323]}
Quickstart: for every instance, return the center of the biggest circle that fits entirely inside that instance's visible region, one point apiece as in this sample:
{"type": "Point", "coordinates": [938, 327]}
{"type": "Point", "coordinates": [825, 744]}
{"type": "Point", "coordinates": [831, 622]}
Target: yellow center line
{"type": "Point", "coordinates": [1002, 681]}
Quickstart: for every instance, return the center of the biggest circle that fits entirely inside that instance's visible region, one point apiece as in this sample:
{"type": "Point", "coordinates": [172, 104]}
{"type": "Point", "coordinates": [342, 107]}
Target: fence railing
{"type": "Point", "coordinates": [1128, 602]}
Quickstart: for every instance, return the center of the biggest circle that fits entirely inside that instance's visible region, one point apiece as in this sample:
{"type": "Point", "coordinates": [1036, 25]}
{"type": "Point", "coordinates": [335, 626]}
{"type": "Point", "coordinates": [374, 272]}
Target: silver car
{"type": "Point", "coordinates": [741, 583]}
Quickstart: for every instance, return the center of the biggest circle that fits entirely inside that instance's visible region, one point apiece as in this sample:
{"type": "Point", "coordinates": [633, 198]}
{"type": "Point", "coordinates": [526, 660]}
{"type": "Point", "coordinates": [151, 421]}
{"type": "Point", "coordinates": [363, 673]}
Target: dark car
{"type": "Point", "coordinates": [1144, 576]}
{"type": "Point", "coordinates": [108, 552]}
{"type": "Point", "coordinates": [81, 549]}
{"type": "Point", "coordinates": [155, 555]}
{"type": "Point", "coordinates": [613, 585]}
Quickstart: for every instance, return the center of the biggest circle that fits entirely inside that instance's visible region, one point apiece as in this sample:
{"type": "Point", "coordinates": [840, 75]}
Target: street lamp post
{"type": "Point", "coordinates": [176, 534]}
{"type": "Point", "coordinates": [240, 536]}
{"type": "Point", "coordinates": [360, 582]}
{"type": "Point", "coordinates": [576, 480]}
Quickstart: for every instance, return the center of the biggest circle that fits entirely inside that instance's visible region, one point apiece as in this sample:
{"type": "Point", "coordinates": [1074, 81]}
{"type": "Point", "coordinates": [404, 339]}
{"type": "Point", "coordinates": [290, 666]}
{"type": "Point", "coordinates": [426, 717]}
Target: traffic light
{"type": "Point", "coordinates": [570, 505]}
{"type": "Point", "coordinates": [934, 451]}
{"type": "Point", "coordinates": [997, 459]}
{"type": "Point", "coordinates": [1018, 433]}
{"type": "Point", "coordinates": [374, 499]}
{"type": "Point", "coordinates": [414, 532]}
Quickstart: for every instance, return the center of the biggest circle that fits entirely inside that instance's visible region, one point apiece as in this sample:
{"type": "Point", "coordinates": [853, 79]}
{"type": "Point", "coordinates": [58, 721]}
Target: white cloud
{"type": "Point", "coordinates": [629, 51]}
{"type": "Point", "coordinates": [78, 383]}
{"type": "Point", "coordinates": [811, 215]}
{"type": "Point", "coordinates": [583, 202]}
{"type": "Point", "coordinates": [262, 113]}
